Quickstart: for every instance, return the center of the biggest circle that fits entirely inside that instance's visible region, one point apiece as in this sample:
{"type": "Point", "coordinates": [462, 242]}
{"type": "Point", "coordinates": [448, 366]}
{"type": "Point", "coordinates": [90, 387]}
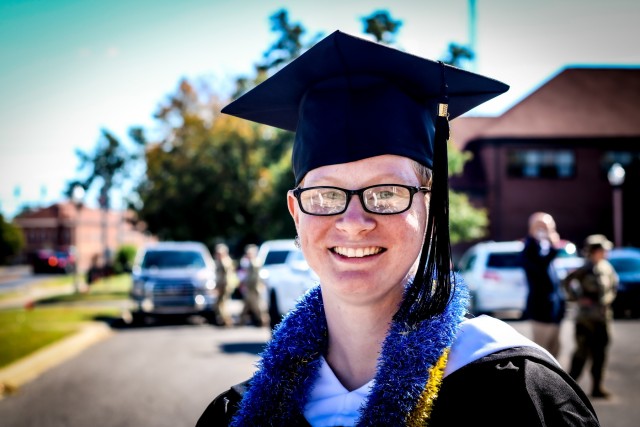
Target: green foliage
{"type": "Point", "coordinates": [124, 259]}
{"type": "Point", "coordinates": [382, 26]}
{"type": "Point", "coordinates": [11, 241]}
{"type": "Point", "coordinates": [458, 55]}
{"type": "Point", "coordinates": [466, 222]}
{"type": "Point", "coordinates": [109, 164]}
{"type": "Point", "coordinates": [288, 45]}
{"type": "Point", "coordinates": [211, 178]}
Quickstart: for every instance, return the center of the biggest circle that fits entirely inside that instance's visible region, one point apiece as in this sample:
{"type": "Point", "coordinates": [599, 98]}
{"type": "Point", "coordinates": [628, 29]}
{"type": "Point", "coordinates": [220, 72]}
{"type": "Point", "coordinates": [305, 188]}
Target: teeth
{"type": "Point", "coordinates": [357, 253]}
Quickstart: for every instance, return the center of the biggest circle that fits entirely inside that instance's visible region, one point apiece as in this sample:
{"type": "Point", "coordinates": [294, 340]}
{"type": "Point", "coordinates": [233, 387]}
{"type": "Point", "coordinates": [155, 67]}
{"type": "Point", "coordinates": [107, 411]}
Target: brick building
{"type": "Point", "coordinates": [87, 231]}
{"type": "Point", "coordinates": [552, 151]}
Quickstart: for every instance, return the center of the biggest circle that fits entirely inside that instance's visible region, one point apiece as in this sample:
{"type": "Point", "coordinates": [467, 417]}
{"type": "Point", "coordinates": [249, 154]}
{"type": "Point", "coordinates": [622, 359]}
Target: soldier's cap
{"type": "Point", "coordinates": [596, 241]}
{"type": "Point", "coordinates": [348, 99]}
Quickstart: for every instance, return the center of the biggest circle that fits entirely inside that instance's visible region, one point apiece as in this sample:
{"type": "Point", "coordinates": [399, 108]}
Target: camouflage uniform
{"type": "Point", "coordinates": [593, 287]}
{"type": "Point", "coordinates": [226, 282]}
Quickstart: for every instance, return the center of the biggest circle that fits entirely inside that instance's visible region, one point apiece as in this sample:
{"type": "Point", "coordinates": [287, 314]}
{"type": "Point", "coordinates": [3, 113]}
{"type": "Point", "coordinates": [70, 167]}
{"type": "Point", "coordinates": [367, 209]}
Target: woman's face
{"type": "Point", "coordinates": [359, 256]}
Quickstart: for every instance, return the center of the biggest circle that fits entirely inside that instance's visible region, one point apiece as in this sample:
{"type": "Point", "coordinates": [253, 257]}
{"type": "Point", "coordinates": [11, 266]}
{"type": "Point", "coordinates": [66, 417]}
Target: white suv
{"type": "Point", "coordinates": [495, 277]}
{"type": "Point", "coordinates": [286, 274]}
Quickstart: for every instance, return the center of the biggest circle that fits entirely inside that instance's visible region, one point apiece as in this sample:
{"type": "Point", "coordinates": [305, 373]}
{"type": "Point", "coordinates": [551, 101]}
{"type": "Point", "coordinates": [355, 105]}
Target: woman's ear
{"type": "Point", "coordinates": [293, 207]}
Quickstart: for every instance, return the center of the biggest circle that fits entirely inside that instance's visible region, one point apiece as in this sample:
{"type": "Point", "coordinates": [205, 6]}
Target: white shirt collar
{"type": "Point", "coordinates": [330, 403]}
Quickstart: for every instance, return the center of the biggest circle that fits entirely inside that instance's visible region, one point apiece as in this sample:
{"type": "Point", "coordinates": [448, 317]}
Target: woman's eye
{"type": "Point", "coordinates": [332, 195]}
{"type": "Point", "coordinates": [385, 194]}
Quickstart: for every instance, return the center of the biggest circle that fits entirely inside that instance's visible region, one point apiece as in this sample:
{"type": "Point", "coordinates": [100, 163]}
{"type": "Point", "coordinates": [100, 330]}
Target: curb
{"type": "Point", "coordinates": [15, 375]}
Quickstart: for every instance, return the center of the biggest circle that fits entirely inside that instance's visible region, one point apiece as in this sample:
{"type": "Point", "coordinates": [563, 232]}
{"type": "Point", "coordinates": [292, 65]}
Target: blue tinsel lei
{"type": "Point", "coordinates": [290, 364]}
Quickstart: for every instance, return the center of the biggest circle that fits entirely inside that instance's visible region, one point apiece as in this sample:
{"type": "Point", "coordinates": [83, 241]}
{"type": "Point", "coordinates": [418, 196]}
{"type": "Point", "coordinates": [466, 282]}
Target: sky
{"type": "Point", "coordinates": [69, 68]}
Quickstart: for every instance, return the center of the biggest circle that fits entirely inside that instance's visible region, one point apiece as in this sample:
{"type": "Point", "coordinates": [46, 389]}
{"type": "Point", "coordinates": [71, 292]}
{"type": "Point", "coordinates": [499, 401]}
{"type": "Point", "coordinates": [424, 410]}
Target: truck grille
{"type": "Point", "coordinates": [176, 292]}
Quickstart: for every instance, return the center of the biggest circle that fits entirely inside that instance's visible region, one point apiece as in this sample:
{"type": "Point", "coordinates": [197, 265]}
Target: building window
{"type": "Point", "coordinates": [559, 164]}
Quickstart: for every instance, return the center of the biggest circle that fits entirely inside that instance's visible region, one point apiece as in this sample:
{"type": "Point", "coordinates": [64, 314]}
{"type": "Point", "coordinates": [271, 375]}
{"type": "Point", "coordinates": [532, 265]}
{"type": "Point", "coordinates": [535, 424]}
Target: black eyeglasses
{"type": "Point", "coordinates": [383, 199]}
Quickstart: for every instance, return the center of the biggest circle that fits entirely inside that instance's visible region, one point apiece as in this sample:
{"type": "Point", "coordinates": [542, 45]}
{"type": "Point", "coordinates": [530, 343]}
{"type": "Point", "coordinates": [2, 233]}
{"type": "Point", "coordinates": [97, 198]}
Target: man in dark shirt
{"type": "Point", "coordinates": [545, 301]}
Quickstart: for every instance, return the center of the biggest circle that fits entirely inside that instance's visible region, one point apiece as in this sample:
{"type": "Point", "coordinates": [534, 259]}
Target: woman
{"type": "Point", "coordinates": [383, 340]}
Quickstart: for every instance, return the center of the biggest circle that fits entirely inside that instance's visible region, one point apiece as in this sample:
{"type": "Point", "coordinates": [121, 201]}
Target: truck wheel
{"type": "Point", "coordinates": [274, 315]}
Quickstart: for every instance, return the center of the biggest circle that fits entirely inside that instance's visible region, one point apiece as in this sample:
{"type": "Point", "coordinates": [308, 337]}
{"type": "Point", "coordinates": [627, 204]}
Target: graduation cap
{"type": "Point", "coordinates": [348, 99]}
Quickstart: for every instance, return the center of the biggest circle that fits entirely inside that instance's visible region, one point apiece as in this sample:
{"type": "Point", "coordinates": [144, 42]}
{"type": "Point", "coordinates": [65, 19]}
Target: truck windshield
{"type": "Point", "coordinates": [172, 259]}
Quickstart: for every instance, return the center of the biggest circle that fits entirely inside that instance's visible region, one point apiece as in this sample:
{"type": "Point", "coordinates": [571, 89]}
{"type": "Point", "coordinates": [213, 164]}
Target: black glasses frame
{"type": "Point", "coordinates": [297, 192]}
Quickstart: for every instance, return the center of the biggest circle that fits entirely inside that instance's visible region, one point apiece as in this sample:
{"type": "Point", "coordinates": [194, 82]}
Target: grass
{"type": "Point", "coordinates": [49, 283]}
{"type": "Point", "coordinates": [110, 288]}
{"type": "Point", "coordinates": [25, 330]}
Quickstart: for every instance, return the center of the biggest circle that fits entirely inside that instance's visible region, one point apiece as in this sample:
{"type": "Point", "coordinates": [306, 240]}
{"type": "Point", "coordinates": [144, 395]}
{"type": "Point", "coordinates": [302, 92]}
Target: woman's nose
{"type": "Point", "coordinates": [355, 219]}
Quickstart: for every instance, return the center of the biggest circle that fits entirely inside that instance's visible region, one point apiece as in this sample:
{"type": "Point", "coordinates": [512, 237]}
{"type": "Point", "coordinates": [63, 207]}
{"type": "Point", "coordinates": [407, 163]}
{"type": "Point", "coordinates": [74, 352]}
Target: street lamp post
{"type": "Point", "coordinates": [77, 197]}
{"type": "Point", "coordinates": [616, 179]}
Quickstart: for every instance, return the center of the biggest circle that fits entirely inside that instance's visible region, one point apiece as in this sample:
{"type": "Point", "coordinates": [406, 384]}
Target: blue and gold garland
{"type": "Point", "coordinates": [407, 380]}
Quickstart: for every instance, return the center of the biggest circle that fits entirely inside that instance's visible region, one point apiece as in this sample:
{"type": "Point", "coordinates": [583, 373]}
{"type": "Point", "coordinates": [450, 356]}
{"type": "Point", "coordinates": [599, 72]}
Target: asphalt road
{"type": "Point", "coordinates": [165, 375]}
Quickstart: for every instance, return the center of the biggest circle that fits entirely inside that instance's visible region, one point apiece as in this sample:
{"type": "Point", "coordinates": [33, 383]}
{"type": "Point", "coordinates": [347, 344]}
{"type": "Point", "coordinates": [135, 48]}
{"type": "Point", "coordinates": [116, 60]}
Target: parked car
{"type": "Point", "coordinates": [286, 274]}
{"type": "Point", "coordinates": [52, 262]}
{"type": "Point", "coordinates": [495, 277]}
{"type": "Point", "coordinates": [626, 262]}
{"type": "Point", "coordinates": [174, 278]}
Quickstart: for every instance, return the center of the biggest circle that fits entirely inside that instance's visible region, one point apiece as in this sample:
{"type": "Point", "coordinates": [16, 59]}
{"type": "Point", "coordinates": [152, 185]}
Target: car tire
{"type": "Point", "coordinates": [274, 315]}
{"type": "Point", "coordinates": [211, 318]}
{"type": "Point", "coordinates": [139, 318]}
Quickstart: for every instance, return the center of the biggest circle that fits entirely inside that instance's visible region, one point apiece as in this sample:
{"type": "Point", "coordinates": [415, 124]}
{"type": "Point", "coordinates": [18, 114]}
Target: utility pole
{"type": "Point", "coordinates": [472, 35]}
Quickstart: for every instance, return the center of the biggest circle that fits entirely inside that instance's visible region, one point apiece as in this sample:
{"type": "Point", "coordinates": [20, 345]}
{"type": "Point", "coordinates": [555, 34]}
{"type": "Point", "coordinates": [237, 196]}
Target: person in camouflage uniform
{"type": "Point", "coordinates": [252, 288]}
{"type": "Point", "coordinates": [226, 282]}
{"type": "Point", "coordinates": [593, 287]}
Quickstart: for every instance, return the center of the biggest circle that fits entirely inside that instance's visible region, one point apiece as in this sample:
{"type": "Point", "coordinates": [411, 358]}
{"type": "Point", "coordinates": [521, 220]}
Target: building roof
{"type": "Point", "coordinates": [578, 102]}
{"type": "Point", "coordinates": [467, 128]}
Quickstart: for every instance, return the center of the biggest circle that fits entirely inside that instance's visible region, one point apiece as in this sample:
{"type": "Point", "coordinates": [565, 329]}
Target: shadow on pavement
{"type": "Point", "coordinates": [243, 347]}
{"type": "Point", "coordinates": [126, 322]}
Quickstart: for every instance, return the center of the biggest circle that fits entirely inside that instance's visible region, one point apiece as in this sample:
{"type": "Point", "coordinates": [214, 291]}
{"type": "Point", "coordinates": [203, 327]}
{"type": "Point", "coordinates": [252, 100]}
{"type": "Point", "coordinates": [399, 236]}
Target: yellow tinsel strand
{"type": "Point", "coordinates": [421, 413]}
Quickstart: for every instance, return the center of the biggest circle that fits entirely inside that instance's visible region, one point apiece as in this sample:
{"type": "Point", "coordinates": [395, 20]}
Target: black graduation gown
{"type": "Point", "coordinates": [519, 386]}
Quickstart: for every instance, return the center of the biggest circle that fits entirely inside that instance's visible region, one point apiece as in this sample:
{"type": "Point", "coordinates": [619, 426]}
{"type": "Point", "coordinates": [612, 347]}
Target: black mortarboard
{"type": "Point", "coordinates": [348, 99]}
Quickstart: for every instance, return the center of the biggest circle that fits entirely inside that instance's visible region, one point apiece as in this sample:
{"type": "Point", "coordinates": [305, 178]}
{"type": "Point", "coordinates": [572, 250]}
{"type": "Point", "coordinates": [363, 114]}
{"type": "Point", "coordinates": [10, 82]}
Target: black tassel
{"type": "Point", "coordinates": [430, 291]}
{"type": "Point", "coordinates": [422, 299]}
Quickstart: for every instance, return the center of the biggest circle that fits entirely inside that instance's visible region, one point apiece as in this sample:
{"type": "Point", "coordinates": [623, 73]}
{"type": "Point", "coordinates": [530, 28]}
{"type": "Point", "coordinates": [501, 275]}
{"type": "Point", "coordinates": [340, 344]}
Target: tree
{"type": "Point", "coordinates": [124, 258]}
{"type": "Point", "coordinates": [289, 44]}
{"type": "Point", "coordinates": [457, 55]}
{"type": "Point", "coordinates": [382, 26]}
{"type": "Point", "coordinates": [210, 177]}
{"type": "Point", "coordinates": [466, 222]}
{"type": "Point", "coordinates": [109, 164]}
{"type": "Point", "coordinates": [11, 241]}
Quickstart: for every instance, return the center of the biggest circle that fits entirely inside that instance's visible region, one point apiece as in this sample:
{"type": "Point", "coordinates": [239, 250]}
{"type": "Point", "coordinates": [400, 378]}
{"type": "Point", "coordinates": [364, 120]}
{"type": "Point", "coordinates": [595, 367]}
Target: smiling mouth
{"type": "Point", "coordinates": [357, 252]}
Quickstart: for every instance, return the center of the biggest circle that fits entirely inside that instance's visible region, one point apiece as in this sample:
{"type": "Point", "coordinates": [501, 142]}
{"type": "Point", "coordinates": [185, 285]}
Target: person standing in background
{"type": "Point", "coordinates": [226, 281]}
{"type": "Point", "coordinates": [252, 288]}
{"type": "Point", "coordinates": [593, 286]}
{"type": "Point", "coordinates": [545, 305]}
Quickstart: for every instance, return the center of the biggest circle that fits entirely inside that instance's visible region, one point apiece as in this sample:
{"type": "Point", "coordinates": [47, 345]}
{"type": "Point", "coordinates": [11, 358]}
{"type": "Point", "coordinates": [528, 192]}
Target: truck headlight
{"type": "Point", "coordinates": [205, 284]}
